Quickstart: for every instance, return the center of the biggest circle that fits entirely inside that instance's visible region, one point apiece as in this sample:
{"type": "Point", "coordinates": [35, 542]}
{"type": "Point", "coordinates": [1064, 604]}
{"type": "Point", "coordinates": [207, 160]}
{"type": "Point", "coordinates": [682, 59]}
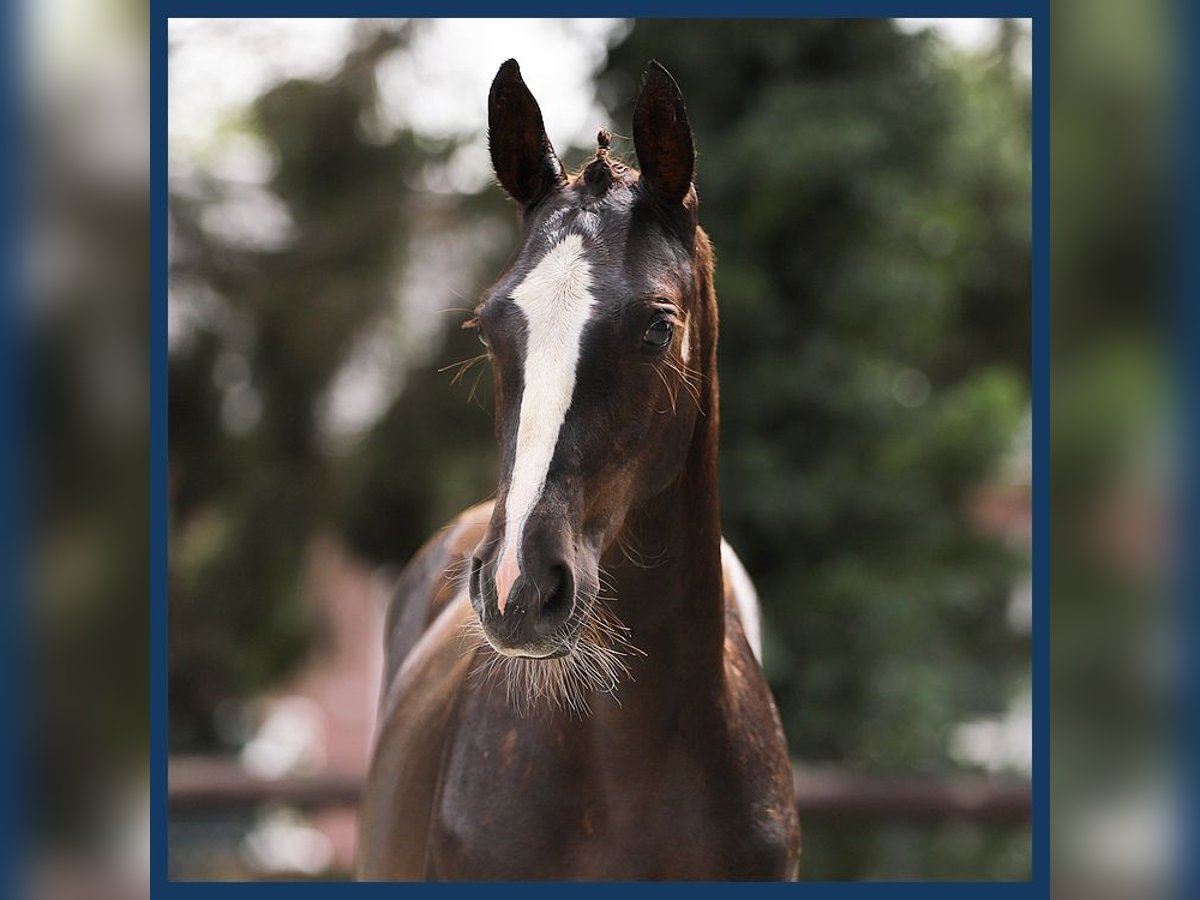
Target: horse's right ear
{"type": "Point", "coordinates": [522, 156]}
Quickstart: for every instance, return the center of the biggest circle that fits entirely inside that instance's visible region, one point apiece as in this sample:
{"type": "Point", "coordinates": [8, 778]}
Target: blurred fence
{"type": "Point", "coordinates": [213, 803]}
{"type": "Point", "coordinates": [200, 784]}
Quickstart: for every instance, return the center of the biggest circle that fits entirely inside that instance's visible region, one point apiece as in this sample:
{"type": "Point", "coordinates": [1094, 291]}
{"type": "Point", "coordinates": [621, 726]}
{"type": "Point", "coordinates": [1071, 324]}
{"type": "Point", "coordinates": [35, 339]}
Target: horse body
{"type": "Point", "coordinates": [664, 786]}
{"type": "Point", "coordinates": [585, 704]}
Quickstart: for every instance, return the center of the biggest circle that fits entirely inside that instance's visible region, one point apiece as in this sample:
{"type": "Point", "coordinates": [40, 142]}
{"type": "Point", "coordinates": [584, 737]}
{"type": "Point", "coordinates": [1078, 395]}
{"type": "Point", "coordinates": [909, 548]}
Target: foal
{"type": "Point", "coordinates": [585, 704]}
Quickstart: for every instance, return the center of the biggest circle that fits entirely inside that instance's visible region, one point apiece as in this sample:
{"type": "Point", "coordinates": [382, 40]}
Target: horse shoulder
{"type": "Point", "coordinates": [428, 657]}
{"type": "Point", "coordinates": [761, 764]}
{"type": "Point", "coordinates": [416, 723]}
{"type": "Point", "coordinates": [430, 581]}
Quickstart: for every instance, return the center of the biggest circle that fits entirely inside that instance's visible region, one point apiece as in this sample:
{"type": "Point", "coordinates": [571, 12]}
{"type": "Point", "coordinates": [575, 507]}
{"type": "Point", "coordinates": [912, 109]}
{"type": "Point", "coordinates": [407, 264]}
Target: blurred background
{"type": "Point", "coordinates": [82, 158]}
{"type": "Point", "coordinates": [332, 221]}
{"type": "Point", "coordinates": [1116, 636]}
{"type": "Point", "coordinates": [330, 200]}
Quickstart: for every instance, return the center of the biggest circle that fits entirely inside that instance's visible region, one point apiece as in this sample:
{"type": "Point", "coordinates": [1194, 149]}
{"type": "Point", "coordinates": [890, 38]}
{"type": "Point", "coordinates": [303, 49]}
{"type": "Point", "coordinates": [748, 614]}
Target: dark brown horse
{"type": "Point", "coordinates": [570, 691]}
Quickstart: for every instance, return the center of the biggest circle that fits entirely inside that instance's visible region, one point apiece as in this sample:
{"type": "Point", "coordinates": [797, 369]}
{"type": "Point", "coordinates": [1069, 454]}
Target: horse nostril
{"type": "Point", "coordinates": [556, 596]}
{"type": "Point", "coordinates": [475, 579]}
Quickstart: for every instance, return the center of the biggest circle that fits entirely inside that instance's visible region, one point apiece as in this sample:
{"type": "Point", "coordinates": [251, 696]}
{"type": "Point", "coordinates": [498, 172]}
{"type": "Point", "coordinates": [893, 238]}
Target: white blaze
{"type": "Point", "coordinates": [556, 301]}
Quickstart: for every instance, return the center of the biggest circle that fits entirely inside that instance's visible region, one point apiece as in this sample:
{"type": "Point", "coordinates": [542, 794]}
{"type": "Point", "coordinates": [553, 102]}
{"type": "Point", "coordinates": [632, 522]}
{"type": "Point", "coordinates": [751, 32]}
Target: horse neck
{"type": "Point", "coordinates": [665, 569]}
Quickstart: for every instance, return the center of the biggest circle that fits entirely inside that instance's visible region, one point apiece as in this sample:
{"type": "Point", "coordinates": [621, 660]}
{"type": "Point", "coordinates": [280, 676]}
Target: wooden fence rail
{"type": "Point", "coordinates": [196, 784]}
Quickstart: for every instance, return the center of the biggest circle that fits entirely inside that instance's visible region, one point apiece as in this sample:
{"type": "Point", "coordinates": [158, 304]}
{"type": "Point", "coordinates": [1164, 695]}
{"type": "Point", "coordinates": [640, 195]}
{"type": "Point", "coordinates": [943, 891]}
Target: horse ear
{"type": "Point", "coordinates": [522, 155]}
{"type": "Point", "coordinates": [662, 136]}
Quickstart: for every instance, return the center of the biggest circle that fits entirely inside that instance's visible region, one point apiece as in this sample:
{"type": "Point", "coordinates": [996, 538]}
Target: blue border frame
{"type": "Point", "coordinates": [1036, 10]}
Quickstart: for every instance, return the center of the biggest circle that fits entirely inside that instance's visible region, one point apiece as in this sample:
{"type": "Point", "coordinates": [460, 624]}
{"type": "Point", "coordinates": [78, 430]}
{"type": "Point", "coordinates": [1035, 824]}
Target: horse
{"type": "Point", "coordinates": [572, 687]}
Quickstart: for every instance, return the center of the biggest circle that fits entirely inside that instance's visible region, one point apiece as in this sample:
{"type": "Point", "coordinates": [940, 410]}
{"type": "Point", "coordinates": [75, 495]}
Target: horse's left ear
{"type": "Point", "coordinates": [662, 136]}
{"type": "Point", "coordinates": [522, 155]}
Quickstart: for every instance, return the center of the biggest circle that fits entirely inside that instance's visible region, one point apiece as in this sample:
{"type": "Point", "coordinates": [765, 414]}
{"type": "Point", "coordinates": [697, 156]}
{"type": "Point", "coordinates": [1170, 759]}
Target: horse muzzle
{"type": "Point", "coordinates": [531, 611]}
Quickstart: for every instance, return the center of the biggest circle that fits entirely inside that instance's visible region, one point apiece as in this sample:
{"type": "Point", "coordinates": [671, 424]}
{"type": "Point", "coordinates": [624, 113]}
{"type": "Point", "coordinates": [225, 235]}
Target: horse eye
{"type": "Point", "coordinates": [658, 335]}
{"type": "Point", "coordinates": [474, 324]}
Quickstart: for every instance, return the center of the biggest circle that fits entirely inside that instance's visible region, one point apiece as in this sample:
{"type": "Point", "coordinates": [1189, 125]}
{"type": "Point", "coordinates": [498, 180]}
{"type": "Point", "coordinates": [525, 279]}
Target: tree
{"type": "Point", "coordinates": [272, 323]}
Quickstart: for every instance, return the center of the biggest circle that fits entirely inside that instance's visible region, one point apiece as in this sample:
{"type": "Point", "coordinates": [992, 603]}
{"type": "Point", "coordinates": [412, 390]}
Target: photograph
{"type": "Point", "coordinates": [599, 450]}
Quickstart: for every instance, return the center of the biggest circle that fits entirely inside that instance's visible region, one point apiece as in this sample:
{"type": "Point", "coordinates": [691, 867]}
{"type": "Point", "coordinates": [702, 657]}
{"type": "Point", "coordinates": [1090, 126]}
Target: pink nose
{"type": "Point", "coordinates": [506, 574]}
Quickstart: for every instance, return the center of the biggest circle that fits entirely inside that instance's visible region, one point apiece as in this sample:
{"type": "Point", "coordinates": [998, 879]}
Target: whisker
{"type": "Point", "coordinates": [688, 383]}
{"type": "Point", "coordinates": [471, 396]}
{"type": "Point", "coordinates": [463, 365]}
{"type": "Point", "coordinates": [635, 554]}
{"type": "Point", "coordinates": [569, 684]}
{"type": "Point", "coordinates": [667, 386]}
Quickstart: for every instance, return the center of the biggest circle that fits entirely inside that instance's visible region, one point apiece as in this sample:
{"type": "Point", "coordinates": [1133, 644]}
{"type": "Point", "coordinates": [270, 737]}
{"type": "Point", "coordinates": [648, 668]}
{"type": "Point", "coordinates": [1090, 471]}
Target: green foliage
{"type": "Point", "coordinates": [390, 509]}
{"type": "Point", "coordinates": [87, 551]}
{"type": "Point", "coordinates": [1112, 614]}
{"type": "Point", "coordinates": [273, 324]}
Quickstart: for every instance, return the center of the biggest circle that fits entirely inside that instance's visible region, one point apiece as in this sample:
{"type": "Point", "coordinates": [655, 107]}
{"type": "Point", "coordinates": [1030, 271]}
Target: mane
{"type": "Point", "coordinates": [603, 170]}
{"type": "Point", "coordinates": [706, 261]}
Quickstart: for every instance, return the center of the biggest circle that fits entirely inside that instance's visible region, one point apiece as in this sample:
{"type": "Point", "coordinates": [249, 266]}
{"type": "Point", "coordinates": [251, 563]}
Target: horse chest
{"type": "Point", "coordinates": [542, 801]}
